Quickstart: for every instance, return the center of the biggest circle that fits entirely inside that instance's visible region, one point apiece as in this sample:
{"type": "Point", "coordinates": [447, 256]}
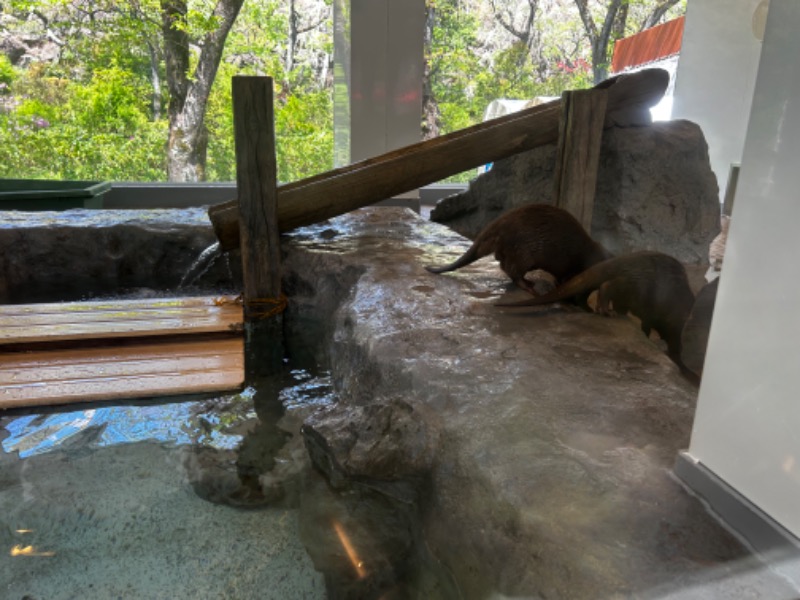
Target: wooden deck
{"type": "Point", "coordinates": [89, 351]}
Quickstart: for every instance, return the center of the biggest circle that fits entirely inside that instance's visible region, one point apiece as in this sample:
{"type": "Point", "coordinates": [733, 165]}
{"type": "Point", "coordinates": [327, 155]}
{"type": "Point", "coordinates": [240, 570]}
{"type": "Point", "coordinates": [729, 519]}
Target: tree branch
{"type": "Point", "coordinates": [176, 53]}
{"type": "Point", "coordinates": [210, 55]}
{"type": "Point", "coordinates": [508, 25]}
{"type": "Point", "coordinates": [586, 18]}
{"type": "Point", "coordinates": [658, 13]}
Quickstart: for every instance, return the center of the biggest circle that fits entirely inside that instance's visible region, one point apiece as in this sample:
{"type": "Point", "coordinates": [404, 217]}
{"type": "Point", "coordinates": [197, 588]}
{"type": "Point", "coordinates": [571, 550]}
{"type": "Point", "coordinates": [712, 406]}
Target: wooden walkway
{"type": "Point", "coordinates": [89, 351]}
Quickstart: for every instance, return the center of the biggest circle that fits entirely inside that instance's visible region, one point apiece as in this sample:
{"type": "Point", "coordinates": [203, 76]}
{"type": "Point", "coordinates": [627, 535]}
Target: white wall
{"type": "Point", "coordinates": [715, 77]}
{"type": "Point", "coordinates": [747, 427]}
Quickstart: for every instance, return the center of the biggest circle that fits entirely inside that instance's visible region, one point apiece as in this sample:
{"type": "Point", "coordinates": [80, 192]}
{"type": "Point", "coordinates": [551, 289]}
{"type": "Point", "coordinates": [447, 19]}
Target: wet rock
{"type": "Point", "coordinates": [557, 429]}
{"type": "Point", "coordinates": [655, 191]}
{"type": "Point", "coordinates": [365, 543]}
{"type": "Point", "coordinates": [389, 446]}
{"type": "Point", "coordinates": [78, 254]}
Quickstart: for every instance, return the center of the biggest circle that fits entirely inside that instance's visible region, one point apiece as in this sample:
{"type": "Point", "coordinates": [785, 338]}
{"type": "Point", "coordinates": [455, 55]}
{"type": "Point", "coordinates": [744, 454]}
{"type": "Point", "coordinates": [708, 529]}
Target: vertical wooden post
{"type": "Point", "coordinates": [256, 173]}
{"type": "Point", "coordinates": [578, 155]}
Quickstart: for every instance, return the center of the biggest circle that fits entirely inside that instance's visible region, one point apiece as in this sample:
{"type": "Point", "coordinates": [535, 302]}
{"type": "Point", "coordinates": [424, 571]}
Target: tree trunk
{"type": "Point", "coordinates": [599, 38]}
{"type": "Point", "coordinates": [188, 137]}
{"type": "Point", "coordinates": [431, 117]}
{"type": "Point", "coordinates": [155, 80]}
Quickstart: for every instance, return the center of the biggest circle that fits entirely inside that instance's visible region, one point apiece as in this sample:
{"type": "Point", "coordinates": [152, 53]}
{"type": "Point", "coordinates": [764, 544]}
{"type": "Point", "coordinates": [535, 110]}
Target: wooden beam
{"type": "Point", "coordinates": [583, 114]}
{"type": "Point", "coordinates": [256, 176]}
{"type": "Point", "coordinates": [256, 179]}
{"type": "Point", "coordinates": [339, 191]}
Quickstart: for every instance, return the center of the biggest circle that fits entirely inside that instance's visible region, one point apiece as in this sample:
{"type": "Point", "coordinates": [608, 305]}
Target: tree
{"type": "Point", "coordinates": [610, 24]}
{"type": "Point", "coordinates": [451, 67]}
{"type": "Point", "coordinates": [188, 137]}
{"type": "Point", "coordinates": [524, 28]}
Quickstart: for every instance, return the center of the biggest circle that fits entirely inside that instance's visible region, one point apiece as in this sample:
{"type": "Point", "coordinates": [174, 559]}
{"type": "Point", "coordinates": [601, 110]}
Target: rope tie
{"type": "Point", "coordinates": [264, 308]}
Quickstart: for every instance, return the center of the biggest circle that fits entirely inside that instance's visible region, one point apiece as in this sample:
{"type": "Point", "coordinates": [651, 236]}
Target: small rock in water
{"type": "Point", "coordinates": [328, 234]}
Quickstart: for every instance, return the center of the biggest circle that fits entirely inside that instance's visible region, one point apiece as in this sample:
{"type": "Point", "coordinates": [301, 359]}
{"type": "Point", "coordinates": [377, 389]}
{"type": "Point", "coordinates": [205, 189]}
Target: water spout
{"type": "Point", "coordinates": [201, 265]}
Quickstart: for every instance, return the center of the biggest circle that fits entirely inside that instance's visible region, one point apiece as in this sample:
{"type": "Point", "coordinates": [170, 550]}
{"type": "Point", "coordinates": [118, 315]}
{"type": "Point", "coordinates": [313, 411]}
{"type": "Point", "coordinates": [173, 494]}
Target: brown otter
{"type": "Point", "coordinates": [534, 236]}
{"type": "Point", "coordinates": [651, 285]}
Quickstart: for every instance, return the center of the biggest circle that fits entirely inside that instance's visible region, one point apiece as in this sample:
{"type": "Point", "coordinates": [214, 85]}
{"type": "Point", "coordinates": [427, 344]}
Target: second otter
{"type": "Point", "coordinates": [651, 285]}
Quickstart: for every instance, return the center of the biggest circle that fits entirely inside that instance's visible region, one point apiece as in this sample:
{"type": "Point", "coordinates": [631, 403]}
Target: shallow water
{"type": "Point", "coordinates": [144, 500]}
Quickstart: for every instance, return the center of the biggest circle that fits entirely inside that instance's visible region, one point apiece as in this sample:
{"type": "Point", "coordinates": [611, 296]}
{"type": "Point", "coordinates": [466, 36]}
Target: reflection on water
{"type": "Point", "coordinates": [179, 423]}
{"type": "Point", "coordinates": [210, 498]}
{"type": "Point", "coordinates": [101, 502]}
{"type": "Point", "coordinates": [216, 423]}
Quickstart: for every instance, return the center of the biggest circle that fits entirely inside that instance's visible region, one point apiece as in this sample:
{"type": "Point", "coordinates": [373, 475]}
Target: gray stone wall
{"type": "Point", "coordinates": [655, 191]}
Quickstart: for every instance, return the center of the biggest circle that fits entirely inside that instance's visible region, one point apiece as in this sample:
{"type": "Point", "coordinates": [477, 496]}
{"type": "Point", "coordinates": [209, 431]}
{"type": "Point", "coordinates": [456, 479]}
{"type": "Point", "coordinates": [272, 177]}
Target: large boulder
{"type": "Point", "coordinates": [655, 191]}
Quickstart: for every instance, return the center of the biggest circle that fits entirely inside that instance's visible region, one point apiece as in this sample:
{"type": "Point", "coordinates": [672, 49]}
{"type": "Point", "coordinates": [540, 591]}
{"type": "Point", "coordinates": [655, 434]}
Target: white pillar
{"type": "Point", "coordinates": [747, 426]}
{"type": "Point", "coordinates": [715, 77]}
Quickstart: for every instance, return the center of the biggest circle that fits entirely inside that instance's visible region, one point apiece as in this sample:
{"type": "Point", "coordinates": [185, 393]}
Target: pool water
{"type": "Point", "coordinates": [159, 499]}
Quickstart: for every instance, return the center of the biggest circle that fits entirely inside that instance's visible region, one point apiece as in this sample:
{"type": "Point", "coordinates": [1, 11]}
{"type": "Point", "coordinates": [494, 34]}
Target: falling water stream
{"type": "Point", "coordinates": [201, 265]}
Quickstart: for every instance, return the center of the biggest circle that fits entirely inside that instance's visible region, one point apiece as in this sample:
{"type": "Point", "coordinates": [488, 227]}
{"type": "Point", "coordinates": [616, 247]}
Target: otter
{"type": "Point", "coordinates": [651, 285]}
{"type": "Point", "coordinates": [534, 236]}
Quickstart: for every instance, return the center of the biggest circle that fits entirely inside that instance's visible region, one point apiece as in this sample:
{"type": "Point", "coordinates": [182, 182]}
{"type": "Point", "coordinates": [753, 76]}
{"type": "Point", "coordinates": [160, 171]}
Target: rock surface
{"type": "Point", "coordinates": [79, 254]}
{"type": "Point", "coordinates": [380, 443]}
{"type": "Point", "coordinates": [655, 191]}
{"type": "Point", "coordinates": [545, 438]}
{"type": "Point", "coordinates": [557, 429]}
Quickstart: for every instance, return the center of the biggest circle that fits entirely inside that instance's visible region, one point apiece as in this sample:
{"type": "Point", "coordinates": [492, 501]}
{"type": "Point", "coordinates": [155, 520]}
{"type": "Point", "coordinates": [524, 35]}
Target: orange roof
{"type": "Point", "coordinates": [649, 45]}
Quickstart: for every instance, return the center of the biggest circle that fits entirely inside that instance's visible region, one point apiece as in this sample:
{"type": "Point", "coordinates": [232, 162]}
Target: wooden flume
{"type": "Point", "coordinates": [339, 191]}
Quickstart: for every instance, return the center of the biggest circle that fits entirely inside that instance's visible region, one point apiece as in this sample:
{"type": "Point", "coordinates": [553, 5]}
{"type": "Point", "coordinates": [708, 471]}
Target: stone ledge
{"type": "Point", "coordinates": [556, 429]}
{"type": "Point", "coordinates": [552, 433]}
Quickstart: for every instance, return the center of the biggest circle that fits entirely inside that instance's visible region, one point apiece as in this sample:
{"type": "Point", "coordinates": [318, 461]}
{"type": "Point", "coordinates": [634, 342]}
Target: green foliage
{"type": "Point", "coordinates": [111, 102]}
{"type": "Point", "coordinates": [99, 111]}
{"type": "Point", "coordinates": [89, 115]}
{"type": "Point", "coordinates": [67, 150]}
{"type": "Point", "coordinates": [7, 74]}
{"type": "Point", "coordinates": [304, 132]}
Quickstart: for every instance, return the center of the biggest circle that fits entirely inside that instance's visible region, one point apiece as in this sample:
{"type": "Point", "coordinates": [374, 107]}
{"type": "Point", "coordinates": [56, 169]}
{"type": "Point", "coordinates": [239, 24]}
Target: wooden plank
{"type": "Point", "coordinates": [128, 304]}
{"type": "Point", "coordinates": [147, 370]}
{"type": "Point", "coordinates": [339, 191]}
{"type": "Point", "coordinates": [22, 324]}
{"type": "Point", "coordinates": [583, 114]}
{"type": "Point", "coordinates": [224, 315]}
{"type": "Point", "coordinates": [110, 330]}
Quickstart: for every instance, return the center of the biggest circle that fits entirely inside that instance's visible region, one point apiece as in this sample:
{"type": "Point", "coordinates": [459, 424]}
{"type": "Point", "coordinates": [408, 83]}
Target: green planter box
{"type": "Point", "coordinates": [41, 194]}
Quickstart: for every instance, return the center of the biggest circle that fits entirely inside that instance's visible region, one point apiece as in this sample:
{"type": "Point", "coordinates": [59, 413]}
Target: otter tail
{"type": "Point", "coordinates": [479, 249]}
{"type": "Point", "coordinates": [582, 284]}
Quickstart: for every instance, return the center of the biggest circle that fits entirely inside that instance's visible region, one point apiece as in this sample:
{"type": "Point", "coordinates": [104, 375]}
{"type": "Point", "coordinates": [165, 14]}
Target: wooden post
{"type": "Point", "coordinates": [583, 113]}
{"type": "Point", "coordinates": [339, 191]}
{"type": "Point", "coordinates": [256, 172]}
